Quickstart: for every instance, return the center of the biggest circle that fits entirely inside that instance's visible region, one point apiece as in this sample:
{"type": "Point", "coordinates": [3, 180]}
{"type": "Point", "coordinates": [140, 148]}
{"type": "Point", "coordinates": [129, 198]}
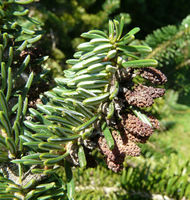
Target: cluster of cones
{"type": "Point", "coordinates": [130, 129]}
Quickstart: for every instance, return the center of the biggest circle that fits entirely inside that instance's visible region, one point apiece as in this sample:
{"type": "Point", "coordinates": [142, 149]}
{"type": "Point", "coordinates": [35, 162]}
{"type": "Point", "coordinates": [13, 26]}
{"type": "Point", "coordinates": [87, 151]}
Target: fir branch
{"type": "Point", "coordinates": [170, 48]}
{"type": "Point", "coordinates": [92, 102]}
{"type": "Point", "coordinates": [160, 48]}
{"type": "Point", "coordinates": [97, 104]}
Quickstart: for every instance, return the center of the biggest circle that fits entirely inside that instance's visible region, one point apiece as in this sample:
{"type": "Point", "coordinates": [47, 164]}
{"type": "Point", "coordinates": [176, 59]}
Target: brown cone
{"type": "Point", "coordinates": [155, 76]}
{"type": "Point", "coordinates": [135, 126]}
{"type": "Point", "coordinates": [139, 98]}
{"type": "Point", "coordinates": [155, 123]}
{"type": "Point", "coordinates": [142, 96]}
{"type": "Point", "coordinates": [123, 147]}
{"type": "Point", "coordinates": [136, 138]}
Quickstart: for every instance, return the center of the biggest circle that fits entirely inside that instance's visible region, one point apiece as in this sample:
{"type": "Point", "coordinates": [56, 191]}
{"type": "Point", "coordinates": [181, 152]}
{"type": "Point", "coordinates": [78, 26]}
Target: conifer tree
{"type": "Point", "coordinates": [99, 103]}
{"type": "Point", "coordinates": [170, 46]}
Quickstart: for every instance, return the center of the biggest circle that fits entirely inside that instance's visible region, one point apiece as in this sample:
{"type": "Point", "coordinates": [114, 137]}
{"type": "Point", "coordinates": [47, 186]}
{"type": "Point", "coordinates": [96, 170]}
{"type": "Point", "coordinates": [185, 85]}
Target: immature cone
{"type": "Point", "coordinates": [139, 98]}
{"type": "Point", "coordinates": [136, 138]}
{"type": "Point", "coordinates": [135, 126]}
{"type": "Point", "coordinates": [155, 76]}
{"type": "Point", "coordinates": [123, 147]}
{"type": "Point", "coordinates": [142, 96]}
{"type": "Point", "coordinates": [154, 122]}
{"type": "Point", "coordinates": [133, 130]}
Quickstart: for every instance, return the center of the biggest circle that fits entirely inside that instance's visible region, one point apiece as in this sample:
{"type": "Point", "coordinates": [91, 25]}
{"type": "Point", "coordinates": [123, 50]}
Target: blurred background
{"type": "Point", "coordinates": [163, 170]}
